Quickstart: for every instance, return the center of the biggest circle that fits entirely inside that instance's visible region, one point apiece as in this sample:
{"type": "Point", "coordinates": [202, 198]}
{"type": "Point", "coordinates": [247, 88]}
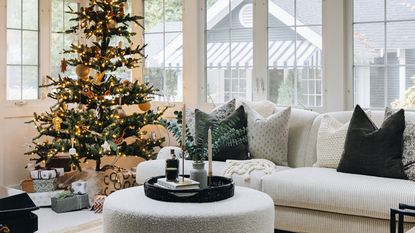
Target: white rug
{"type": "Point", "coordinates": [95, 226]}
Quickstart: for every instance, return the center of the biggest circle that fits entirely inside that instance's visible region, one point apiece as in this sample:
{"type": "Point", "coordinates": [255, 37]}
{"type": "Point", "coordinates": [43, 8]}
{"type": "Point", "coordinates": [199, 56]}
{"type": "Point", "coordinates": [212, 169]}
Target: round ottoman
{"type": "Point", "coordinates": [130, 211]}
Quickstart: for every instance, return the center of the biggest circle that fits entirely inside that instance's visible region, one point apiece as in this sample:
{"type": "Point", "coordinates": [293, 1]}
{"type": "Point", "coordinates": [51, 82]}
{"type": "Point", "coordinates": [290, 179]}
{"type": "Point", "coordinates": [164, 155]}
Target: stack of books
{"type": "Point", "coordinates": [178, 185]}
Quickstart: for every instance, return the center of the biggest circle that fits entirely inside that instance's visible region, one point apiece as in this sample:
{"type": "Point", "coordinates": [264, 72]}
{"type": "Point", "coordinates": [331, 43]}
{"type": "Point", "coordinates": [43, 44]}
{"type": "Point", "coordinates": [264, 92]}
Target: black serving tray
{"type": "Point", "coordinates": [221, 188]}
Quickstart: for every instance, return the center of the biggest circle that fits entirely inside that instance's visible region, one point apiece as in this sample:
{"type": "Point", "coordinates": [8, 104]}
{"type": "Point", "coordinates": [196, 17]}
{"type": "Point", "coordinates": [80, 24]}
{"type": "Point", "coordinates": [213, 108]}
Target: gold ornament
{"type": "Point", "coordinates": [82, 71]}
{"type": "Point", "coordinates": [120, 44]}
{"type": "Point", "coordinates": [111, 24]}
{"type": "Point", "coordinates": [145, 106]}
{"type": "Point", "coordinates": [98, 77]}
{"type": "Point", "coordinates": [57, 121]}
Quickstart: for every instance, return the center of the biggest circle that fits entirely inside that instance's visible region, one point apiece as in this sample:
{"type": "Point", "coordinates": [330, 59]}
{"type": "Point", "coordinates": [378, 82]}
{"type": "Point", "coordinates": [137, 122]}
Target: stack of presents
{"type": "Point", "coordinates": [66, 189]}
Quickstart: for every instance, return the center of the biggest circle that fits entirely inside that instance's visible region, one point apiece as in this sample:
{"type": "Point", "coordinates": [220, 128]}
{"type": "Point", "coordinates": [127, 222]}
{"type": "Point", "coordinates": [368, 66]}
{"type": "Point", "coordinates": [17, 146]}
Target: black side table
{"type": "Point", "coordinates": [402, 211]}
{"type": "Point", "coordinates": [16, 213]}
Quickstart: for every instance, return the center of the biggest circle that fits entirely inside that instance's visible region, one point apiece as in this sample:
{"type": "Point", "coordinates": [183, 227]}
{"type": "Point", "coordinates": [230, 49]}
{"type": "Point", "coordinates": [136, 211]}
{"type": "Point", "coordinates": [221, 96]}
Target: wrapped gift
{"type": "Point", "coordinates": [47, 173]}
{"type": "Point", "coordinates": [98, 203]}
{"type": "Point", "coordinates": [116, 178]}
{"type": "Point", "coordinates": [79, 187]}
{"type": "Point", "coordinates": [68, 201]}
{"type": "Point", "coordinates": [45, 185]}
{"type": "Point", "coordinates": [61, 160]}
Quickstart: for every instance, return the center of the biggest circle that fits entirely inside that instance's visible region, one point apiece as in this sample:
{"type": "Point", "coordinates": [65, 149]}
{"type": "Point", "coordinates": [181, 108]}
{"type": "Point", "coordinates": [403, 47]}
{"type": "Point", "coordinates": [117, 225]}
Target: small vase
{"type": "Point", "coordinates": [198, 173]}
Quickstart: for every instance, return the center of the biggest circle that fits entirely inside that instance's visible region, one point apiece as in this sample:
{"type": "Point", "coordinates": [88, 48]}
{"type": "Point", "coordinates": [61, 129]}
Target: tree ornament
{"type": "Point", "coordinates": [145, 106]}
{"type": "Point", "coordinates": [99, 77]}
{"type": "Point", "coordinates": [111, 24]}
{"type": "Point", "coordinates": [72, 151]}
{"type": "Point", "coordinates": [82, 71]}
{"type": "Point", "coordinates": [106, 147]}
{"type": "Point", "coordinates": [57, 121]}
{"type": "Point", "coordinates": [119, 111]}
{"type": "Point", "coordinates": [120, 44]}
{"type": "Point", "coordinates": [119, 141]}
{"type": "Point", "coordinates": [64, 65]}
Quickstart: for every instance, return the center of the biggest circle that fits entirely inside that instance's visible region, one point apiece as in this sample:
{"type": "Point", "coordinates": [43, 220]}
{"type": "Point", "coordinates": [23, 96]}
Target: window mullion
{"type": "Point", "coordinates": [259, 87]}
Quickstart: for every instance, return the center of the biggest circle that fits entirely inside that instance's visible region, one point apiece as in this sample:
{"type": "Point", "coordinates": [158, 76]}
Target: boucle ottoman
{"type": "Point", "coordinates": [129, 210]}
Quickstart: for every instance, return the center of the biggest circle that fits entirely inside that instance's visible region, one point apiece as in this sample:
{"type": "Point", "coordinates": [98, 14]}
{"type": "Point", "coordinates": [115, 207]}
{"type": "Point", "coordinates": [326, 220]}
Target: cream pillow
{"type": "Point", "coordinates": [268, 137]}
{"type": "Point", "coordinates": [264, 107]}
{"type": "Point", "coordinates": [330, 141]}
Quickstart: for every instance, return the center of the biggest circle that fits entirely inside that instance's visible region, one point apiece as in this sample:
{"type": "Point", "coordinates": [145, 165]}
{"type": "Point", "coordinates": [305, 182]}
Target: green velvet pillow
{"type": "Point", "coordinates": [237, 120]}
{"type": "Point", "coordinates": [372, 151]}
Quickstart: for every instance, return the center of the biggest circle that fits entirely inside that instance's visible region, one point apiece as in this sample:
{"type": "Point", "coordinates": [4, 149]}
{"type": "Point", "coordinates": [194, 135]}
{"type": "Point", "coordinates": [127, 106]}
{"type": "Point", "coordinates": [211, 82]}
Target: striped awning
{"type": "Point", "coordinates": [240, 54]}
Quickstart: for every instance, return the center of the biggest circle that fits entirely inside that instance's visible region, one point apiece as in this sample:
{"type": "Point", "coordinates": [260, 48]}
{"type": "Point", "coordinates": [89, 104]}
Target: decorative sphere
{"type": "Point", "coordinates": [145, 106]}
{"type": "Point", "coordinates": [82, 71]}
{"type": "Point", "coordinates": [111, 24]}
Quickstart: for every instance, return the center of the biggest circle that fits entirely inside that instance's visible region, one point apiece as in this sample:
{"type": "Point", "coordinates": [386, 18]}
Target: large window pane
{"type": "Point", "coordinates": [60, 21]}
{"type": "Point", "coordinates": [294, 52]}
{"type": "Point", "coordinates": [384, 54]}
{"type": "Point", "coordinates": [368, 10]}
{"type": "Point", "coordinates": [369, 44]}
{"type": "Point", "coordinates": [400, 9]}
{"type": "Point", "coordinates": [229, 50]}
{"type": "Point", "coordinates": [14, 47]}
{"type": "Point", "coordinates": [22, 49]}
{"type": "Point", "coordinates": [30, 14]}
{"type": "Point", "coordinates": [14, 14]}
{"type": "Point", "coordinates": [164, 38]}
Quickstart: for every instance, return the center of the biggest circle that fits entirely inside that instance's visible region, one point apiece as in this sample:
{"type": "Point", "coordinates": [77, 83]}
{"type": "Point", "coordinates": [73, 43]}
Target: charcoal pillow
{"type": "Point", "coordinates": [372, 151]}
{"type": "Point", "coordinates": [205, 120]}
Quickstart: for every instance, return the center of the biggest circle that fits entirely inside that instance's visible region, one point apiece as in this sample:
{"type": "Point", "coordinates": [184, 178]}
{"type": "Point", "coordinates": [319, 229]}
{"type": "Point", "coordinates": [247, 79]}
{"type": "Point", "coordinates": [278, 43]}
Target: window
{"type": "Point", "coordinates": [294, 52]}
{"type": "Point", "coordinates": [163, 34]}
{"type": "Point", "coordinates": [60, 21]}
{"type": "Point", "coordinates": [229, 50]}
{"type": "Point", "coordinates": [22, 49]}
{"type": "Point", "coordinates": [384, 53]}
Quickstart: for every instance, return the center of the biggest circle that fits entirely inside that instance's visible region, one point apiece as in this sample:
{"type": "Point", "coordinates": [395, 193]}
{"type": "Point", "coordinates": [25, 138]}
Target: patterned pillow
{"type": "Point", "coordinates": [330, 141]}
{"type": "Point", "coordinates": [408, 153]}
{"type": "Point", "coordinates": [221, 112]}
{"type": "Point", "coordinates": [268, 137]}
{"type": "Point", "coordinates": [236, 120]}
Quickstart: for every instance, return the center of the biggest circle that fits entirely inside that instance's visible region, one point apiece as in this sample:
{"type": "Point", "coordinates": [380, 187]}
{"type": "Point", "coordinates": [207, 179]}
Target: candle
{"type": "Point", "coordinates": [184, 126]}
{"type": "Point", "coordinates": [210, 152]}
{"type": "Point", "coordinates": [183, 138]}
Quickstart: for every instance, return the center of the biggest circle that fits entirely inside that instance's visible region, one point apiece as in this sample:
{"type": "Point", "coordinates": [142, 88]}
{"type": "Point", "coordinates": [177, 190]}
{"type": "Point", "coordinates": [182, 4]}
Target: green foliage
{"type": "Point", "coordinates": [224, 135]}
{"type": "Point", "coordinates": [408, 102]}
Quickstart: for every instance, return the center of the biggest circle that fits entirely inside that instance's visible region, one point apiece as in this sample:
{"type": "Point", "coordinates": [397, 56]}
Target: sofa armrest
{"type": "Point", "coordinates": [164, 152]}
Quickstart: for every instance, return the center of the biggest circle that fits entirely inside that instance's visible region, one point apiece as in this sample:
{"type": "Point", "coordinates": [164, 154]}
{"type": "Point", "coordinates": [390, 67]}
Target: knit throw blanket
{"type": "Point", "coordinates": [245, 167]}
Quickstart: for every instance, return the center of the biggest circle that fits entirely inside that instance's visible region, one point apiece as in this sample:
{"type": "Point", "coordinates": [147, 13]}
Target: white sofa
{"type": "Point", "coordinates": [318, 200]}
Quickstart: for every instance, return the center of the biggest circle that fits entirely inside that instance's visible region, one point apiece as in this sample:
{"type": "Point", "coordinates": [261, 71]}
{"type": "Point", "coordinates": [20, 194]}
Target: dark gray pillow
{"type": "Point", "coordinates": [205, 120]}
{"type": "Point", "coordinates": [372, 151]}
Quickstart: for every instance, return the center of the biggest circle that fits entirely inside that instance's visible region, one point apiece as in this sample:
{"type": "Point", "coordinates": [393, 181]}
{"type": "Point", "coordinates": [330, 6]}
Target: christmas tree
{"type": "Point", "coordinates": [88, 121]}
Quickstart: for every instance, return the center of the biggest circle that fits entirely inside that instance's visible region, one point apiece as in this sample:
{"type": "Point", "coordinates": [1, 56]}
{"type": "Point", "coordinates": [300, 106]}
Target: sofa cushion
{"type": "Point", "coordinates": [325, 189]}
{"type": "Point", "coordinates": [369, 150]}
{"type": "Point", "coordinates": [268, 137]}
{"type": "Point", "coordinates": [148, 169]}
{"type": "Point", "coordinates": [238, 150]}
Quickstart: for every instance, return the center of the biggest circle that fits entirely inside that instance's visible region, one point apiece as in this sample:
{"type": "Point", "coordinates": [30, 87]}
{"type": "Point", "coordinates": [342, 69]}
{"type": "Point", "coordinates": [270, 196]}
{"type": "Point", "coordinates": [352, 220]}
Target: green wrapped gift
{"type": "Point", "coordinates": [45, 185]}
{"type": "Point", "coordinates": [68, 201]}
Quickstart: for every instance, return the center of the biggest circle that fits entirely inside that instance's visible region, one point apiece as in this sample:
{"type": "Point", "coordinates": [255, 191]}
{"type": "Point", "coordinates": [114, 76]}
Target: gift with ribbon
{"type": "Point", "coordinates": [68, 201]}
{"type": "Point", "coordinates": [45, 174]}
